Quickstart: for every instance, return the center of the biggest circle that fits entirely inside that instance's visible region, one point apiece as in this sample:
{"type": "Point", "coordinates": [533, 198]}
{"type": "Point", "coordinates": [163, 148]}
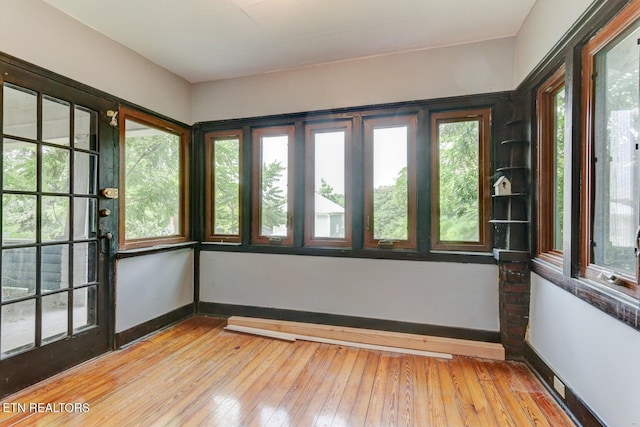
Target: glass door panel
{"type": "Point", "coordinates": [54, 292]}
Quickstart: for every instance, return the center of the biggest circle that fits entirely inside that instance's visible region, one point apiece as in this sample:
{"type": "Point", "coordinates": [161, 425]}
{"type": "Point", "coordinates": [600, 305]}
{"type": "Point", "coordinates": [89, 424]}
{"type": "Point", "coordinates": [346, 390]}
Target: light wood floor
{"type": "Point", "coordinates": [195, 373]}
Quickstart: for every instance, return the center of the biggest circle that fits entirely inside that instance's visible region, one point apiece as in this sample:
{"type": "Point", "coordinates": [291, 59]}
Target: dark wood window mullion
{"type": "Point", "coordinates": [297, 205]}
{"type": "Point", "coordinates": [357, 184]}
{"type": "Point", "coordinates": [38, 295]}
{"type": "Point", "coordinates": [247, 190]}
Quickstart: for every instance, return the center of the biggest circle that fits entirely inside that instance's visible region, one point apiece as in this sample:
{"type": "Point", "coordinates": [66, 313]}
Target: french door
{"type": "Point", "coordinates": [56, 262]}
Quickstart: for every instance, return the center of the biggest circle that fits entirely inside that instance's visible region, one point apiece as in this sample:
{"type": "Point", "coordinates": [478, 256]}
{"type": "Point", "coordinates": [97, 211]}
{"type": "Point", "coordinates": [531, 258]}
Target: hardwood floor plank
{"type": "Point", "coordinates": [376, 402]}
{"type": "Point", "coordinates": [326, 414]}
{"type": "Point", "coordinates": [406, 392]}
{"type": "Point", "coordinates": [437, 402]}
{"type": "Point", "coordinates": [478, 398]}
{"type": "Point", "coordinates": [265, 402]}
{"type": "Point", "coordinates": [350, 394]}
{"type": "Point", "coordinates": [194, 373]}
{"type": "Point", "coordinates": [358, 413]}
{"type": "Point", "coordinates": [302, 387]}
{"type": "Point", "coordinates": [420, 390]}
{"type": "Point", "coordinates": [455, 413]}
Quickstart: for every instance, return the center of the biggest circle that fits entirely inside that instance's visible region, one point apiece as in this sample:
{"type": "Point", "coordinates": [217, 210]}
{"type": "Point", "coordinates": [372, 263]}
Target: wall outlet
{"type": "Point", "coordinates": [559, 386]}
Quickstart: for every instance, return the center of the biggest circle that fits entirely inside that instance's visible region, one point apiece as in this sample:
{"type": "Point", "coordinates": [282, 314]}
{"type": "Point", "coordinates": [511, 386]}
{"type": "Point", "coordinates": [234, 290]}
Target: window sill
{"type": "Point", "coordinates": [129, 253]}
{"type": "Point", "coordinates": [614, 303]}
{"type": "Point", "coordinates": [371, 253]}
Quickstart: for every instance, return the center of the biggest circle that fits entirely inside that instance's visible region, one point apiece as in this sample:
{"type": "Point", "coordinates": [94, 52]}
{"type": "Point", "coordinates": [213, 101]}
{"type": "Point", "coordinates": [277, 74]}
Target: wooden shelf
{"type": "Point", "coordinates": [510, 195]}
{"type": "Point", "coordinates": [511, 255]}
{"type": "Point", "coordinates": [510, 168]}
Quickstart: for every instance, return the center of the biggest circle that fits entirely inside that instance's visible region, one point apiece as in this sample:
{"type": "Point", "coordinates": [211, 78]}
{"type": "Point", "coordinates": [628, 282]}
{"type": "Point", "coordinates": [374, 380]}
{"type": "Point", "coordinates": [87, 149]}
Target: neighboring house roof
{"type": "Point", "coordinates": [326, 206]}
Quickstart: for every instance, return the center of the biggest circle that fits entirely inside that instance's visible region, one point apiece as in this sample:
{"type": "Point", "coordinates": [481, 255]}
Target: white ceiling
{"type": "Point", "coordinates": [202, 40]}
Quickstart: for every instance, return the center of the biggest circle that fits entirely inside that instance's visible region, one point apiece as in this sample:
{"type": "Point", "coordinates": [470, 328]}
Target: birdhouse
{"type": "Point", "coordinates": [502, 186]}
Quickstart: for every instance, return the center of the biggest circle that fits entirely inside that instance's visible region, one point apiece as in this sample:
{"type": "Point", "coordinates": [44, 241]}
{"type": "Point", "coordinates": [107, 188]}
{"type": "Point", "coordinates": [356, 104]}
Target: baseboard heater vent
{"type": "Point", "coordinates": [422, 345]}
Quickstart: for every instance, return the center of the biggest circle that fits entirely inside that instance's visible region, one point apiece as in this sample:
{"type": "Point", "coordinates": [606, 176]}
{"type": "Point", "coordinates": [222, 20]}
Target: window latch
{"type": "Point", "coordinates": [610, 277]}
{"type": "Point", "coordinates": [386, 243]}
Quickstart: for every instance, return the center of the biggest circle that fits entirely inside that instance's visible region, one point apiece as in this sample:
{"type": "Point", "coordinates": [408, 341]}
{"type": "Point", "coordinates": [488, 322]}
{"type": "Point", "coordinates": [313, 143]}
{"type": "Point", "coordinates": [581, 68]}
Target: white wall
{"type": "Point", "coordinates": [447, 294]}
{"type": "Point", "coordinates": [152, 285]}
{"type": "Point", "coordinates": [547, 23]}
{"type": "Point", "coordinates": [38, 33]}
{"type": "Point", "coordinates": [426, 74]}
{"type": "Point", "coordinates": [594, 354]}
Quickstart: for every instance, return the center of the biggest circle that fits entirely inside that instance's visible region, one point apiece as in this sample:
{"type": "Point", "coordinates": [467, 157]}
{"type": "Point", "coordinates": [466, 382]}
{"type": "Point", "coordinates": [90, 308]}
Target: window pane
{"type": "Point", "coordinates": [54, 316]}
{"type": "Point", "coordinates": [56, 118]}
{"type": "Point", "coordinates": [84, 218]}
{"type": "Point", "coordinates": [559, 169]}
{"type": "Point", "coordinates": [18, 273]}
{"type": "Point", "coordinates": [329, 184]}
{"type": "Point", "coordinates": [19, 167]}
{"type": "Point", "coordinates": [85, 256]}
{"type": "Point", "coordinates": [616, 171]}
{"type": "Point", "coordinates": [85, 173]}
{"type": "Point", "coordinates": [390, 189]}
{"type": "Point", "coordinates": [274, 186]}
{"type": "Point", "coordinates": [18, 327]}
{"type": "Point", "coordinates": [20, 111]}
{"type": "Point", "coordinates": [55, 218]}
{"type": "Point", "coordinates": [55, 170]}
{"type": "Point", "coordinates": [459, 199]}
{"type": "Point", "coordinates": [152, 182]}
{"type": "Point", "coordinates": [226, 178]}
{"type": "Point", "coordinates": [18, 219]}
{"type": "Point", "coordinates": [84, 308]}
{"type": "Point", "coordinates": [84, 129]}
{"type": "Point", "coordinates": [54, 268]}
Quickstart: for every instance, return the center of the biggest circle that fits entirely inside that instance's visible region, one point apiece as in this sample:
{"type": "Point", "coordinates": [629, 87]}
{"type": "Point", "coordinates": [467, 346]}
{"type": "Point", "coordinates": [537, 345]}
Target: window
{"type": "Point", "coordinates": [153, 181]}
{"type": "Point", "coordinates": [273, 185]}
{"type": "Point", "coordinates": [328, 202]}
{"type": "Point", "coordinates": [460, 165]}
{"type": "Point", "coordinates": [550, 104]}
{"type": "Point", "coordinates": [223, 171]}
{"type": "Point", "coordinates": [390, 182]}
{"type": "Point", "coordinates": [611, 170]}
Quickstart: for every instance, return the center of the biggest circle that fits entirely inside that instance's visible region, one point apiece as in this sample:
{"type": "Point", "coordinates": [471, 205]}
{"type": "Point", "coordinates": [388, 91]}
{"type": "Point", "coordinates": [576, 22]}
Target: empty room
{"type": "Point", "coordinates": [320, 212]}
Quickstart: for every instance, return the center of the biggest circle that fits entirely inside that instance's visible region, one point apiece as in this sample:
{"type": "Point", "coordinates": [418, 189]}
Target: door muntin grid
{"type": "Point", "coordinates": [49, 208]}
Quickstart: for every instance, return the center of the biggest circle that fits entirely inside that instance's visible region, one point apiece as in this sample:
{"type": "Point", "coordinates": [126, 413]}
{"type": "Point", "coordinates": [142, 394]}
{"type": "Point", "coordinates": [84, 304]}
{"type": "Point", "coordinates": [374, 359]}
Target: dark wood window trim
{"type": "Point", "coordinates": [183, 133]}
{"type": "Point", "coordinates": [483, 116]}
{"type": "Point", "coordinates": [211, 138]}
{"type": "Point", "coordinates": [257, 135]}
{"type": "Point", "coordinates": [608, 33]}
{"type": "Point", "coordinates": [370, 124]}
{"type": "Point", "coordinates": [546, 166]}
{"type": "Point", "coordinates": [310, 131]}
{"type": "Point", "coordinates": [618, 305]}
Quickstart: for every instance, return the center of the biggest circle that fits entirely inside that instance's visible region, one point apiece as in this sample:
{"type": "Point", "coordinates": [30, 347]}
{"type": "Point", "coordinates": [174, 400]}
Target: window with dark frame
{"type": "Point", "coordinates": [390, 182]}
{"type": "Point", "coordinates": [273, 189]}
{"type": "Point", "coordinates": [460, 185]}
{"type": "Point", "coordinates": [328, 184]}
{"type": "Point", "coordinates": [223, 169]}
{"type": "Point", "coordinates": [550, 110]}
{"type": "Point", "coordinates": [153, 181]}
{"type": "Point", "coordinates": [611, 169]}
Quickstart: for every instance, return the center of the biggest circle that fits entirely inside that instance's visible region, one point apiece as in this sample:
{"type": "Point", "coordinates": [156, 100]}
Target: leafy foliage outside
{"type": "Point", "coordinates": [390, 209]}
{"type": "Point", "coordinates": [274, 201]}
{"type": "Point", "coordinates": [227, 184]}
{"type": "Point", "coordinates": [458, 181]}
{"type": "Point", "coordinates": [152, 185]}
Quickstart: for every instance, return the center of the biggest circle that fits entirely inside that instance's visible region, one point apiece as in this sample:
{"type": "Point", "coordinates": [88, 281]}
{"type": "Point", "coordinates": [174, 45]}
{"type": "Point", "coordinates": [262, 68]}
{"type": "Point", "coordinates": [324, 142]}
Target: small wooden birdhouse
{"type": "Point", "coordinates": [502, 186]}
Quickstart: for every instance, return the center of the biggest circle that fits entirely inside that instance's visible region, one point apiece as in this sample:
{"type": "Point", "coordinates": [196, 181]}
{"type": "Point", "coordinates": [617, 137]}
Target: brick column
{"type": "Point", "coordinates": [515, 285]}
